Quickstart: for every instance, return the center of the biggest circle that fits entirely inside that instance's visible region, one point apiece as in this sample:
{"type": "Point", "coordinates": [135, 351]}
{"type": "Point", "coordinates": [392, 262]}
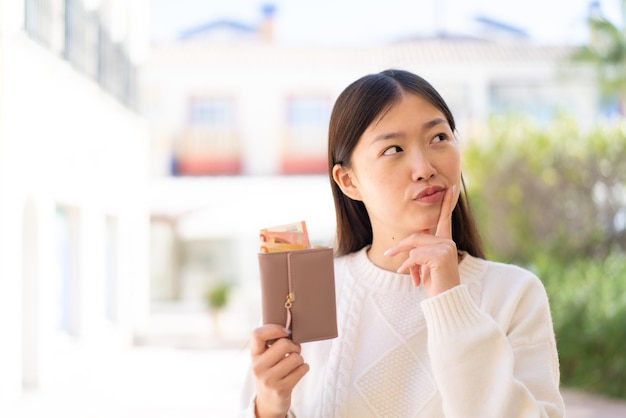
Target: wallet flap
{"type": "Point", "coordinates": [273, 271]}
{"type": "Point", "coordinates": [312, 277]}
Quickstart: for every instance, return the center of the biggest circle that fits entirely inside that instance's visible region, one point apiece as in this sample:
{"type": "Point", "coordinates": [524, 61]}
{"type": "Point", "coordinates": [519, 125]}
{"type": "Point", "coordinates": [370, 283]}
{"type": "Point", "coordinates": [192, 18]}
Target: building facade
{"type": "Point", "coordinates": [260, 108]}
{"type": "Point", "coordinates": [73, 164]}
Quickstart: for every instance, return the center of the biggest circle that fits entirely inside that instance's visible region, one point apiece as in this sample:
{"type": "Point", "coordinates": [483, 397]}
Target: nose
{"type": "Point", "coordinates": [421, 167]}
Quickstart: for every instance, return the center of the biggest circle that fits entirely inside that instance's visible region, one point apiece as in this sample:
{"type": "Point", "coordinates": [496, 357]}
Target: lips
{"type": "Point", "coordinates": [431, 194]}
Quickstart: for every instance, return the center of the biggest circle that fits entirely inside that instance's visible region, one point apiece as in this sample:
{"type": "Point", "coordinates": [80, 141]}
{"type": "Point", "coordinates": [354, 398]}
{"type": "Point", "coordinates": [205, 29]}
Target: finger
{"type": "Point", "coordinates": [288, 363]}
{"type": "Point", "coordinates": [261, 335]}
{"type": "Point", "coordinates": [429, 256]}
{"type": "Point", "coordinates": [416, 274]}
{"type": "Point", "coordinates": [276, 353]}
{"type": "Point", "coordinates": [408, 243]}
{"type": "Point", "coordinates": [277, 362]}
{"type": "Point", "coordinates": [444, 225]}
{"type": "Point", "coordinates": [296, 374]}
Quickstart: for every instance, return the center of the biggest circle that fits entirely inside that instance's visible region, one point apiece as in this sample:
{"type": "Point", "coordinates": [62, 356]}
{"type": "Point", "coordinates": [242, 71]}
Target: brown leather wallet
{"type": "Point", "coordinates": [298, 290]}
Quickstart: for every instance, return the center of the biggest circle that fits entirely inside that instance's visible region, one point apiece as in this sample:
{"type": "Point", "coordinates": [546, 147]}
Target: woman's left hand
{"type": "Point", "coordinates": [433, 259]}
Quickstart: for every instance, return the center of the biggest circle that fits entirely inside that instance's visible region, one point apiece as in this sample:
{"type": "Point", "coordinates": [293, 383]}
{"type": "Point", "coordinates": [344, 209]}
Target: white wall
{"type": "Point", "coordinates": [64, 143]}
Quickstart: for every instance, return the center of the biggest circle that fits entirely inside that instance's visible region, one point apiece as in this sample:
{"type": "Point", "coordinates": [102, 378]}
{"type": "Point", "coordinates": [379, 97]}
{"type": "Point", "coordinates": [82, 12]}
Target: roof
{"type": "Point", "coordinates": [501, 26]}
{"type": "Point", "coordinates": [431, 51]}
{"type": "Point", "coordinates": [223, 24]}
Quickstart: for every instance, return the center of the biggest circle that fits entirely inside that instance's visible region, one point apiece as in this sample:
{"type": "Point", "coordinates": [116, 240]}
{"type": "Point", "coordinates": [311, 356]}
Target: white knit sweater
{"type": "Point", "coordinates": [484, 349]}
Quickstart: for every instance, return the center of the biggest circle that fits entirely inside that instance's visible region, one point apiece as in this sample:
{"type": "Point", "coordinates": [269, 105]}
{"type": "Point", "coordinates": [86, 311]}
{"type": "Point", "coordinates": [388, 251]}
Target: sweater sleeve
{"type": "Point", "coordinates": [494, 368]}
{"type": "Point", "coordinates": [249, 411]}
{"type": "Point", "coordinates": [248, 399]}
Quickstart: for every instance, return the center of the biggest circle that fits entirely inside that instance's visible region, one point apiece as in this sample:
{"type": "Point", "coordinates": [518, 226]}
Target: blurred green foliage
{"type": "Point", "coordinates": [217, 295]}
{"type": "Point", "coordinates": [553, 199]}
{"type": "Point", "coordinates": [606, 51]}
{"type": "Point", "coordinates": [556, 190]}
{"type": "Point", "coordinates": [588, 301]}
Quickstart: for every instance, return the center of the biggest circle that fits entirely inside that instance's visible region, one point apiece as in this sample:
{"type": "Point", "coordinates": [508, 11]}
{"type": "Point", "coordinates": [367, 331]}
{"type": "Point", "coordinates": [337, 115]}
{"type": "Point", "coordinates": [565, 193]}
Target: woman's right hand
{"type": "Point", "coordinates": [276, 369]}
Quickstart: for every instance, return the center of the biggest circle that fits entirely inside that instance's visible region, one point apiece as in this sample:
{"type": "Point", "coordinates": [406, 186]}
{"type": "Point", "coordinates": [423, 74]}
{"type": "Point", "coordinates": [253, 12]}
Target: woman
{"type": "Point", "coordinates": [427, 327]}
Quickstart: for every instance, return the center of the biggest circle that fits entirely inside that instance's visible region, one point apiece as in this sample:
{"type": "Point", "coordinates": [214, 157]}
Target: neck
{"type": "Point", "coordinates": [380, 244]}
{"type": "Point", "coordinates": [376, 252]}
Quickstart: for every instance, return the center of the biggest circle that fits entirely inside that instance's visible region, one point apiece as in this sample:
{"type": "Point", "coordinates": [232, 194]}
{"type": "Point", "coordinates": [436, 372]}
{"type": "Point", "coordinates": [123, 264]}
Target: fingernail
{"type": "Point", "coordinates": [454, 189]}
{"type": "Point", "coordinates": [387, 252]}
{"type": "Point", "coordinates": [287, 331]}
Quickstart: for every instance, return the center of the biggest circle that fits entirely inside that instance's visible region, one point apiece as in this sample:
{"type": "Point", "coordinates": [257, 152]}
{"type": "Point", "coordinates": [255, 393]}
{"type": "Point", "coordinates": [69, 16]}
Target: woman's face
{"type": "Point", "coordinates": [401, 168]}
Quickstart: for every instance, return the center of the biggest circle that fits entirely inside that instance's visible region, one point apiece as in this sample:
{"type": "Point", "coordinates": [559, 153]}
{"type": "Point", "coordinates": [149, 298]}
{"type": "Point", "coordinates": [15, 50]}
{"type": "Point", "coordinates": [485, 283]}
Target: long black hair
{"type": "Point", "coordinates": [355, 109]}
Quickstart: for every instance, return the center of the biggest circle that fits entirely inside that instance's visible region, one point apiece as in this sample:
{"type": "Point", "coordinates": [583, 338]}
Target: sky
{"type": "Point", "coordinates": [359, 22]}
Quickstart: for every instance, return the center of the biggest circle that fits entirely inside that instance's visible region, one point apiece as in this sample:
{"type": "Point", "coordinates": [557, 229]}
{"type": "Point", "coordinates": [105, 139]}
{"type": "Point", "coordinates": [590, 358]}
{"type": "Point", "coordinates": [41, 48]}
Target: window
{"type": "Point", "coordinates": [67, 270]}
{"type": "Point", "coordinates": [304, 142]}
{"type": "Point", "coordinates": [111, 269]}
{"type": "Point", "coordinates": [537, 100]}
{"type": "Point", "coordinates": [308, 112]}
{"type": "Point", "coordinates": [209, 144]}
{"type": "Point", "coordinates": [39, 21]}
{"type": "Point", "coordinates": [81, 38]}
{"type": "Point", "coordinates": [211, 112]}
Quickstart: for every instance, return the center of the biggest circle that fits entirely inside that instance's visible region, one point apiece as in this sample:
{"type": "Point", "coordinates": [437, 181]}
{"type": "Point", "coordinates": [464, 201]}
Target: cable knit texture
{"type": "Point", "coordinates": [482, 349]}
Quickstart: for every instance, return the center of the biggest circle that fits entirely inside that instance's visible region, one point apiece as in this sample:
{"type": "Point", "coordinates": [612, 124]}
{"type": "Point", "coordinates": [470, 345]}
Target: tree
{"type": "Point", "coordinates": [607, 52]}
{"type": "Point", "coordinates": [557, 191]}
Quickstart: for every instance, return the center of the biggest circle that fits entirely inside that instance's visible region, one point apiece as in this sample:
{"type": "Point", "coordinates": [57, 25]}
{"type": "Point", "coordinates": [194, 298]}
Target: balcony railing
{"type": "Point", "coordinates": [207, 151]}
{"type": "Point", "coordinates": [304, 151]}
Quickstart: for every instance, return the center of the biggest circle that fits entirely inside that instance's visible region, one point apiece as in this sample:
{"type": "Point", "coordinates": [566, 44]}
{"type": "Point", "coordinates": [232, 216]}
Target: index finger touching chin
{"type": "Point", "coordinates": [444, 224]}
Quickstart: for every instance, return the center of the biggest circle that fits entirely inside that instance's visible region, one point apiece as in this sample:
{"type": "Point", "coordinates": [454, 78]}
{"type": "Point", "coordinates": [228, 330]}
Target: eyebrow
{"type": "Point", "coordinates": [428, 125]}
{"type": "Point", "coordinates": [434, 122]}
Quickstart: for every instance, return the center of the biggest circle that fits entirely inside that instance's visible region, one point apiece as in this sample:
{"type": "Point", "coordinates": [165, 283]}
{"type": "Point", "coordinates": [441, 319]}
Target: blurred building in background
{"type": "Point", "coordinates": [238, 127]}
{"type": "Point", "coordinates": [73, 164]}
{"type": "Point", "coordinates": [224, 99]}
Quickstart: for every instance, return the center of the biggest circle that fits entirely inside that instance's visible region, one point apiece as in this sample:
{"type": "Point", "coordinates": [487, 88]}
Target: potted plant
{"type": "Point", "coordinates": [216, 298]}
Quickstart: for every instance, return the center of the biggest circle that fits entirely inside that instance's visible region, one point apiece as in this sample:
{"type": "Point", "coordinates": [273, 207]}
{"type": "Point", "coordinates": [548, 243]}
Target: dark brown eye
{"type": "Point", "coordinates": [392, 150]}
{"type": "Point", "coordinates": [439, 138]}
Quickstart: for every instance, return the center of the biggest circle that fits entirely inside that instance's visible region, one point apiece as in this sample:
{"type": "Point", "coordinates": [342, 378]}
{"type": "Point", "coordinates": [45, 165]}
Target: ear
{"type": "Point", "coordinates": [343, 178]}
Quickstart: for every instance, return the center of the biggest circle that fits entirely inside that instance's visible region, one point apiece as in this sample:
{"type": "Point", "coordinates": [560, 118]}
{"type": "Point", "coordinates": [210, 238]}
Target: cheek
{"type": "Point", "coordinates": [375, 186]}
{"type": "Point", "coordinates": [380, 179]}
{"type": "Point", "coordinates": [453, 168]}
{"type": "Point", "coordinates": [384, 194]}
{"type": "Point", "coordinates": [457, 174]}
